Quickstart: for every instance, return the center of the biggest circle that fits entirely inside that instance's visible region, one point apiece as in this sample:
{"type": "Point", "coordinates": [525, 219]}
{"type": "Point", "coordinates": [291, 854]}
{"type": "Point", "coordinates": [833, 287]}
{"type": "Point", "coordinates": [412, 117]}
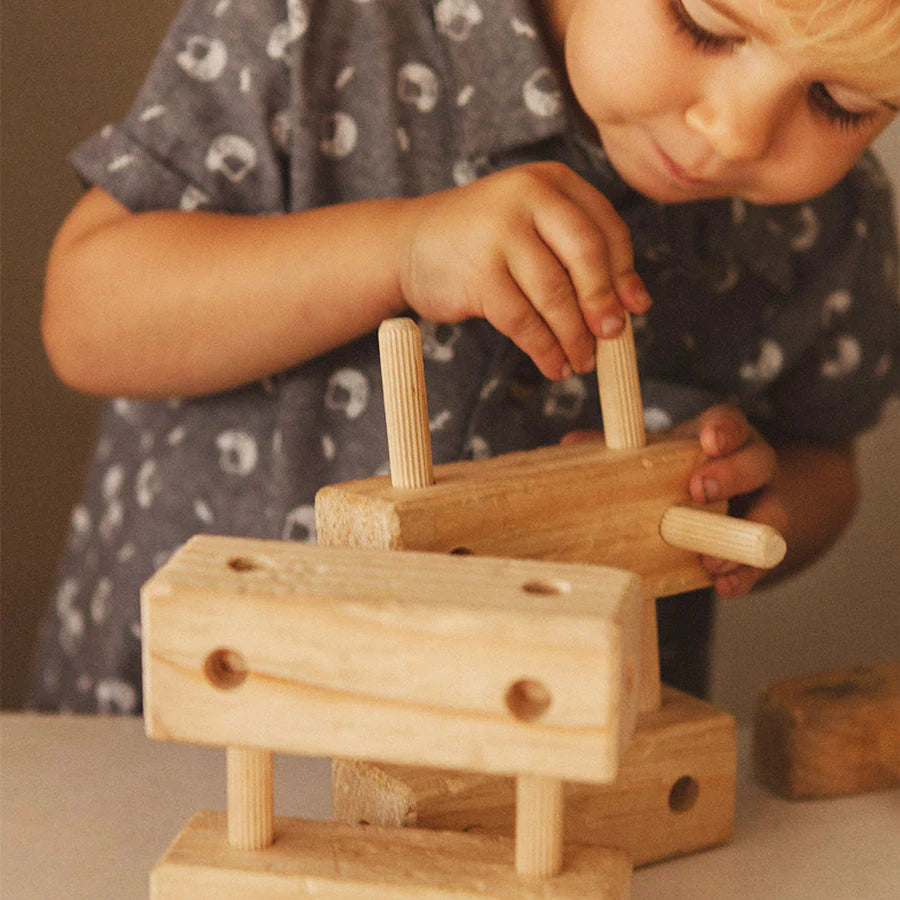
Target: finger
{"type": "Point", "coordinates": [738, 582]}
{"type": "Point", "coordinates": [546, 284]}
{"type": "Point", "coordinates": [722, 429]}
{"type": "Point", "coordinates": [717, 566]}
{"type": "Point", "coordinates": [578, 437]}
{"type": "Point", "coordinates": [592, 242]}
{"type": "Point", "coordinates": [628, 285]}
{"type": "Point", "coordinates": [511, 313]}
{"type": "Point", "coordinates": [747, 470]}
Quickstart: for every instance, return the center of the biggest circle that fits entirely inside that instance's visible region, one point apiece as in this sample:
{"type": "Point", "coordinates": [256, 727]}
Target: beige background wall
{"type": "Point", "coordinates": [66, 70]}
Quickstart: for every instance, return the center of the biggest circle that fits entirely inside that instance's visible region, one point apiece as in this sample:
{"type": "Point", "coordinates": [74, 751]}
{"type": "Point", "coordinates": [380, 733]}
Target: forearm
{"type": "Point", "coordinates": [818, 490]}
{"type": "Point", "coordinates": [167, 303]}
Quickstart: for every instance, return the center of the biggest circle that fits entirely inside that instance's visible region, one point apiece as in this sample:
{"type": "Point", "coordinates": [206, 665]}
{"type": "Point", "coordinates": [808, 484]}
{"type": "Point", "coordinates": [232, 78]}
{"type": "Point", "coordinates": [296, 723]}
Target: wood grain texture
{"type": "Point", "coordinates": [339, 862]}
{"type": "Point", "coordinates": [620, 391]}
{"type": "Point", "coordinates": [506, 666]}
{"type": "Point", "coordinates": [578, 503]}
{"type": "Point", "coordinates": [830, 733]}
{"type": "Point", "coordinates": [405, 403]}
{"type": "Point", "coordinates": [674, 794]}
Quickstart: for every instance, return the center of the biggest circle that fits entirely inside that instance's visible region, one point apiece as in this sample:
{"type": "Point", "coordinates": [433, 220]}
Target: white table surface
{"type": "Point", "coordinates": [89, 805]}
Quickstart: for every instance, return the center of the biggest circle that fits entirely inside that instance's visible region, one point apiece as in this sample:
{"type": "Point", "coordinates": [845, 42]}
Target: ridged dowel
{"type": "Point", "coordinates": [251, 800]}
{"type": "Point", "coordinates": [719, 535]}
{"type": "Point", "coordinates": [620, 391]}
{"type": "Point", "coordinates": [623, 429]}
{"type": "Point", "coordinates": [539, 825]}
{"type": "Point", "coordinates": [405, 403]}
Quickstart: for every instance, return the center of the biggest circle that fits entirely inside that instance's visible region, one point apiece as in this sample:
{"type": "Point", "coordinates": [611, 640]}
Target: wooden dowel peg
{"type": "Point", "coordinates": [623, 429]}
{"type": "Point", "coordinates": [719, 535]}
{"type": "Point", "coordinates": [250, 797]}
{"type": "Point", "coordinates": [539, 826]}
{"type": "Point", "coordinates": [405, 403]}
{"type": "Point", "coordinates": [620, 391]}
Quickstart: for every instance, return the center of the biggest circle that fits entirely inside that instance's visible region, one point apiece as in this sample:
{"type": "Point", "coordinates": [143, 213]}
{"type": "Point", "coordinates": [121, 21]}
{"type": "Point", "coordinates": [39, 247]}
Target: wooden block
{"type": "Point", "coordinates": [331, 860]}
{"type": "Point", "coordinates": [674, 793]}
{"type": "Point", "coordinates": [505, 666]}
{"type": "Point", "coordinates": [579, 503]}
{"type": "Point", "coordinates": [830, 733]}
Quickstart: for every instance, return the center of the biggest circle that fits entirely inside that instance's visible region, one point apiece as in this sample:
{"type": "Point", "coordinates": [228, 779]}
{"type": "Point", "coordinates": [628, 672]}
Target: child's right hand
{"type": "Point", "coordinates": [535, 250]}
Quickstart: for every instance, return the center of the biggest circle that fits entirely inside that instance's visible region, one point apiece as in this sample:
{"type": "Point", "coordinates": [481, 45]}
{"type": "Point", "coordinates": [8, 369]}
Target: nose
{"type": "Point", "coordinates": [739, 121]}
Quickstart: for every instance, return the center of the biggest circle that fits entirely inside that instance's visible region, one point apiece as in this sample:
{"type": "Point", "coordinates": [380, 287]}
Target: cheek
{"type": "Point", "coordinates": [623, 60]}
{"type": "Point", "coordinates": [815, 162]}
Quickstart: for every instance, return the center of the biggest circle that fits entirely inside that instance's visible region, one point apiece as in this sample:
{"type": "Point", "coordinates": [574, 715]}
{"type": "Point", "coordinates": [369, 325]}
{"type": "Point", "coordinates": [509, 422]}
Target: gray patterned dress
{"type": "Point", "coordinates": [270, 106]}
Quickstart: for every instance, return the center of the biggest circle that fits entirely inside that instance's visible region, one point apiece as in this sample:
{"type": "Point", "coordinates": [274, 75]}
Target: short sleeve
{"type": "Point", "coordinates": [850, 364]}
{"type": "Point", "coordinates": [203, 131]}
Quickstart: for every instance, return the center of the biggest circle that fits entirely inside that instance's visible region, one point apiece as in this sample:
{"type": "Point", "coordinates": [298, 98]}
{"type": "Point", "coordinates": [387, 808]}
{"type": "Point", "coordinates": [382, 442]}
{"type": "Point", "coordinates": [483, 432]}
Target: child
{"type": "Point", "coordinates": [295, 171]}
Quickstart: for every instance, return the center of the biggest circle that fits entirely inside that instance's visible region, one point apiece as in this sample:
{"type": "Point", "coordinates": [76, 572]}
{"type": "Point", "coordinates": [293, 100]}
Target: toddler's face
{"type": "Point", "coordinates": [697, 99]}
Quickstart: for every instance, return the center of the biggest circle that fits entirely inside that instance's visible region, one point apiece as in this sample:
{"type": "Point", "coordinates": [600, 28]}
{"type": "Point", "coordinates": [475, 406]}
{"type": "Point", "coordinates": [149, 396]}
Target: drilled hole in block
{"type": "Point", "coordinates": [683, 794]}
{"type": "Point", "coordinates": [547, 588]}
{"type": "Point", "coordinates": [241, 564]}
{"type": "Point", "coordinates": [528, 699]}
{"type": "Point", "coordinates": [225, 669]}
{"type": "Point", "coordinates": [461, 551]}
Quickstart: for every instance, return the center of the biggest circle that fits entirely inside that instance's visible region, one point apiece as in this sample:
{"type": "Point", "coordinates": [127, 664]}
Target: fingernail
{"type": "Point", "coordinates": [611, 325]}
{"type": "Point", "coordinates": [711, 489]}
{"type": "Point", "coordinates": [566, 371]}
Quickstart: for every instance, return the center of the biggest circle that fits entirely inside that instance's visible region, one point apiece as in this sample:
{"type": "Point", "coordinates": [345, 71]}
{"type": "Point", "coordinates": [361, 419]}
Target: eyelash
{"type": "Point", "coordinates": [708, 42]}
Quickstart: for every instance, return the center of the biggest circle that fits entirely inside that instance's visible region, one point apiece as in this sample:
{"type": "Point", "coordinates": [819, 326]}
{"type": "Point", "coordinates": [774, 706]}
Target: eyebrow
{"type": "Point", "coordinates": [750, 27]}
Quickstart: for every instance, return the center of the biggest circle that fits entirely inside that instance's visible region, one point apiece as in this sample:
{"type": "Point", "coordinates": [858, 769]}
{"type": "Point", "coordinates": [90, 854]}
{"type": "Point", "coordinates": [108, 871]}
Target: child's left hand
{"type": "Point", "coordinates": [741, 468]}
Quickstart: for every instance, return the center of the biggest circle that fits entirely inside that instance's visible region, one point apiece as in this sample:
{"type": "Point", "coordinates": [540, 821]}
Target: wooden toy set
{"type": "Point", "coordinates": [489, 689]}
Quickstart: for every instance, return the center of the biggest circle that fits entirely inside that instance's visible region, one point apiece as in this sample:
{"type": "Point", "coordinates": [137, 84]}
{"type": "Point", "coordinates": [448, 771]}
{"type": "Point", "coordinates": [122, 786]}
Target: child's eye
{"type": "Point", "coordinates": [822, 102]}
{"type": "Point", "coordinates": [703, 39]}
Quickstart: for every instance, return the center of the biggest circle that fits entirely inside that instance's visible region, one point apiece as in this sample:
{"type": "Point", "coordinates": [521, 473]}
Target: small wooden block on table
{"type": "Point", "coordinates": [333, 860]}
{"type": "Point", "coordinates": [831, 733]}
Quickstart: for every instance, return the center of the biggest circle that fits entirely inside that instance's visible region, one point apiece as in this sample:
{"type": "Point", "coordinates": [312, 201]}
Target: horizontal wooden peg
{"type": "Point", "coordinates": [722, 536]}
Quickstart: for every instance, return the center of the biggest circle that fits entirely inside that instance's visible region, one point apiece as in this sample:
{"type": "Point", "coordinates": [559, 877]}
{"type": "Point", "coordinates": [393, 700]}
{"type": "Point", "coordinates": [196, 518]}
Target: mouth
{"type": "Point", "coordinates": [676, 172]}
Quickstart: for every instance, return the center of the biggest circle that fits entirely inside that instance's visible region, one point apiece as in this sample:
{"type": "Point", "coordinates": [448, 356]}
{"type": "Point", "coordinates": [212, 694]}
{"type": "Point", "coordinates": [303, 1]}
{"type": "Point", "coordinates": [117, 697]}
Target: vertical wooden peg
{"type": "Point", "coordinates": [623, 429]}
{"type": "Point", "coordinates": [405, 403]}
{"type": "Point", "coordinates": [250, 797]}
{"type": "Point", "coordinates": [620, 391]}
{"type": "Point", "coordinates": [539, 826]}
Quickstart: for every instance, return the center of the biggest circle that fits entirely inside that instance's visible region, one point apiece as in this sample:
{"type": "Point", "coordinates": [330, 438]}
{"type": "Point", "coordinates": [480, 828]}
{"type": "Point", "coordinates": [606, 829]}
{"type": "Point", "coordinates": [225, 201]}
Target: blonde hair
{"type": "Point", "coordinates": [860, 36]}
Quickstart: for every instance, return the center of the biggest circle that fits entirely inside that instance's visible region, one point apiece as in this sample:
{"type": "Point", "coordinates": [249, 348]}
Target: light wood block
{"type": "Point", "coordinates": [830, 733]}
{"type": "Point", "coordinates": [331, 860]}
{"type": "Point", "coordinates": [579, 503]}
{"type": "Point", "coordinates": [674, 794]}
{"type": "Point", "coordinates": [505, 666]}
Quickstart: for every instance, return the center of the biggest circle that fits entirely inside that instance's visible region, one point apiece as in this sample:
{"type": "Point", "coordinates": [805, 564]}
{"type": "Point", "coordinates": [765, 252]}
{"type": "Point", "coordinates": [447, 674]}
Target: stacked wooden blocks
{"type": "Point", "coordinates": [508, 642]}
